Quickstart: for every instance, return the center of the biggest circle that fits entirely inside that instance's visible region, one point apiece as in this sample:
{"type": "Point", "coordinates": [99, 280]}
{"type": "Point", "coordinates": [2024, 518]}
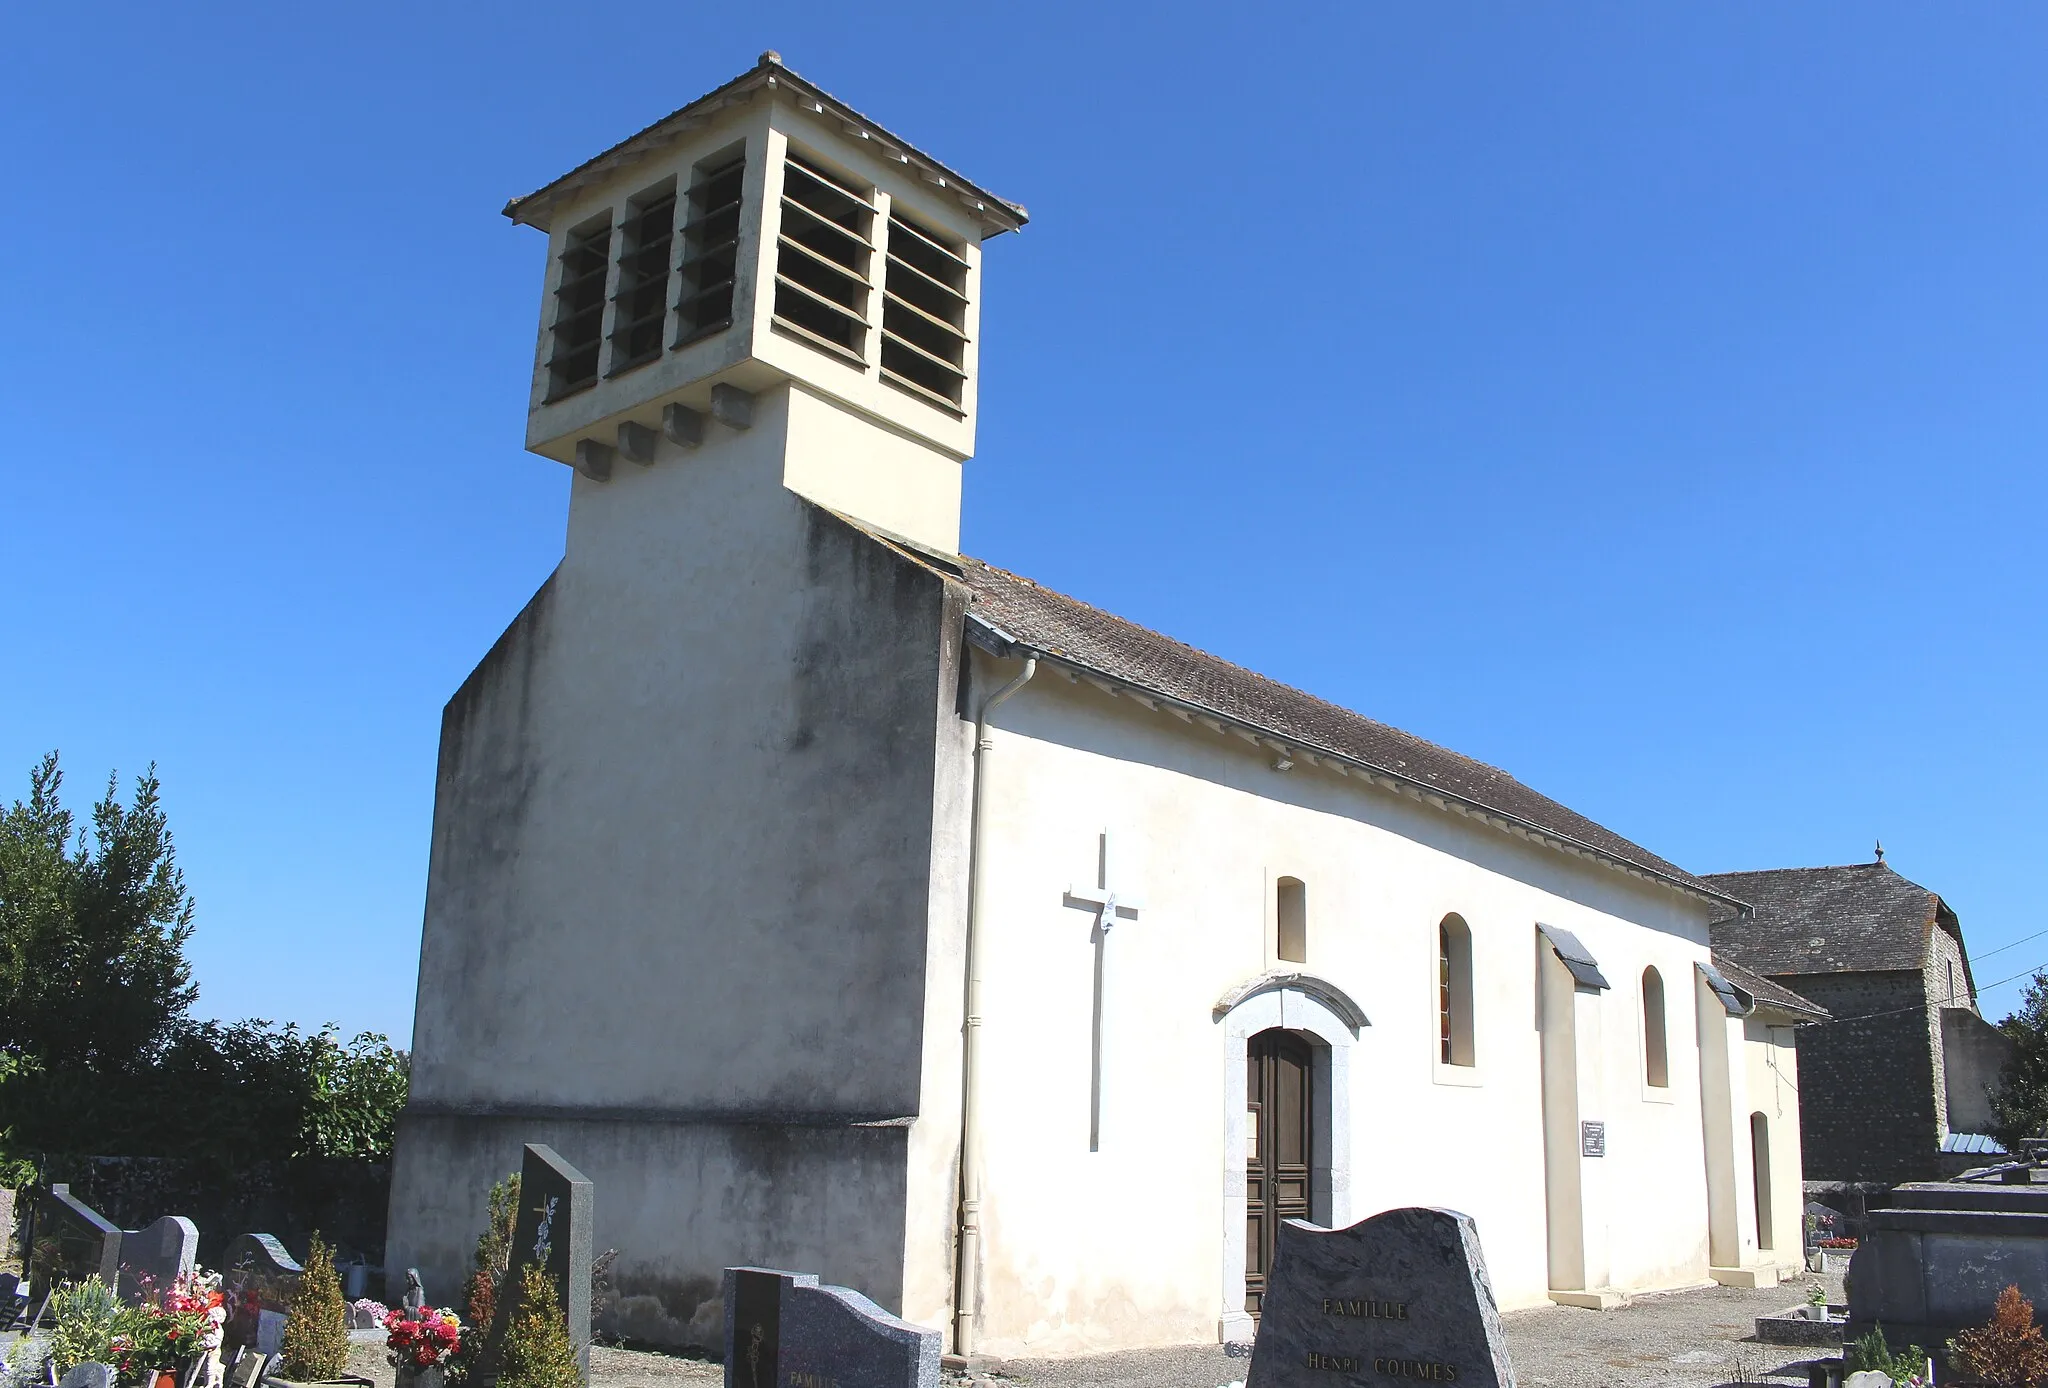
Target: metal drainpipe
{"type": "Point", "coordinates": [967, 1273]}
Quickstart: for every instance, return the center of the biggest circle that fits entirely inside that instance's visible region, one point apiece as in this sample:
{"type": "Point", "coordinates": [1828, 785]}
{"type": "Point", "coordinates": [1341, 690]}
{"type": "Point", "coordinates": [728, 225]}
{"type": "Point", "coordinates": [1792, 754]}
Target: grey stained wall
{"type": "Point", "coordinates": [1975, 1053]}
{"type": "Point", "coordinates": [679, 888]}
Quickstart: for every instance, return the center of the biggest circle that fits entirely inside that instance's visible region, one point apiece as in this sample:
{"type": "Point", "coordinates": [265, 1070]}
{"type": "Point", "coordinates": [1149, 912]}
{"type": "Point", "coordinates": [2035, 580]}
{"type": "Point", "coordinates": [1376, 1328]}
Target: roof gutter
{"type": "Point", "coordinates": [996, 641]}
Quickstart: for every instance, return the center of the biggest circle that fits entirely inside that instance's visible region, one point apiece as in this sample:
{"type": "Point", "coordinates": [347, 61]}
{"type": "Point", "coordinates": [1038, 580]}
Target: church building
{"type": "Point", "coordinates": [842, 903]}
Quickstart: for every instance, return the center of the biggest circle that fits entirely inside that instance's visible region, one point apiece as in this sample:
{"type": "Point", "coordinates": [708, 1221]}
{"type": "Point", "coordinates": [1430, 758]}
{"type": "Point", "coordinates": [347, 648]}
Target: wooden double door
{"type": "Point", "coordinates": [1279, 1139]}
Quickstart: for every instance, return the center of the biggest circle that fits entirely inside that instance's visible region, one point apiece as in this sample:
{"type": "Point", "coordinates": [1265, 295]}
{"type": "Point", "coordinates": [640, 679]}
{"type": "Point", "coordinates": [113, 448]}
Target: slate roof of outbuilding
{"type": "Point", "coordinates": [1850, 919]}
{"type": "Point", "coordinates": [1068, 629]}
{"type": "Point", "coordinates": [1767, 993]}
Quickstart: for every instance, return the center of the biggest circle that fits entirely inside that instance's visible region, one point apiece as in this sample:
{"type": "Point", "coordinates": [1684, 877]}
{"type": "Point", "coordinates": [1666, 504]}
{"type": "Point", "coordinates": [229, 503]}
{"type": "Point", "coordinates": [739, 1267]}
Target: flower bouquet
{"type": "Point", "coordinates": [421, 1346]}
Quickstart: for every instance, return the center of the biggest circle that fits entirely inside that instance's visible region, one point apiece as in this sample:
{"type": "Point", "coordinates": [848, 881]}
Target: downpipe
{"type": "Point", "coordinates": [967, 1275]}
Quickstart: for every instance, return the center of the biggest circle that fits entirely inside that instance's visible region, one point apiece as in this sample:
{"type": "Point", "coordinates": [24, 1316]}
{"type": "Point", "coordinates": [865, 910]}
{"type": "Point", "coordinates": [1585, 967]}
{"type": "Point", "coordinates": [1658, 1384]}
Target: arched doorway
{"type": "Point", "coordinates": [1760, 1166]}
{"type": "Point", "coordinates": [1280, 1142]}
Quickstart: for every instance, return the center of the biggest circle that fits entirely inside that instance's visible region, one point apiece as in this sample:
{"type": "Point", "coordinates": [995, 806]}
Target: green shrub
{"type": "Point", "coordinates": [1874, 1352]}
{"type": "Point", "coordinates": [87, 1316]}
{"type": "Point", "coordinates": [316, 1325]}
{"type": "Point", "coordinates": [538, 1353]}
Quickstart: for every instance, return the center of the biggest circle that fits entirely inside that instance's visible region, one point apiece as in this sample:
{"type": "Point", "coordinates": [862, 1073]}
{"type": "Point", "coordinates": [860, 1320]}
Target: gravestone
{"type": "Point", "coordinates": [257, 1281]}
{"type": "Point", "coordinates": [247, 1370]}
{"type": "Point", "coordinates": [552, 1231]}
{"type": "Point", "coordinates": [73, 1241]}
{"type": "Point", "coordinates": [154, 1258]}
{"type": "Point", "coordinates": [88, 1376]}
{"type": "Point", "coordinates": [1403, 1295]}
{"type": "Point", "coordinates": [784, 1330]}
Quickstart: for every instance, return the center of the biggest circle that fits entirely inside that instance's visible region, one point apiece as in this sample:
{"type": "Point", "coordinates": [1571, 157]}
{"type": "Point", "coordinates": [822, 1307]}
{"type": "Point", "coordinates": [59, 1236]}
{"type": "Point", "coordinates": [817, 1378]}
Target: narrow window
{"type": "Point", "coordinates": [1760, 1173]}
{"type": "Point", "coordinates": [640, 304]}
{"type": "Point", "coordinates": [711, 241]}
{"type": "Point", "coordinates": [1656, 1056]}
{"type": "Point", "coordinates": [821, 261]}
{"type": "Point", "coordinates": [1293, 920]}
{"type": "Point", "coordinates": [1454, 991]}
{"type": "Point", "coordinates": [579, 308]}
{"type": "Point", "coordinates": [1951, 984]}
{"type": "Point", "coordinates": [924, 315]}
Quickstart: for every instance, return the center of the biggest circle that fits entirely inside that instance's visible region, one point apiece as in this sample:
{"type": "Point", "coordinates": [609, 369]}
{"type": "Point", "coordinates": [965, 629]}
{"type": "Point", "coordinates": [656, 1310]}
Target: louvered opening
{"type": "Point", "coordinates": [579, 309]}
{"type": "Point", "coordinates": [822, 258]}
{"type": "Point", "coordinates": [711, 240]}
{"type": "Point", "coordinates": [640, 304]}
{"type": "Point", "coordinates": [924, 315]}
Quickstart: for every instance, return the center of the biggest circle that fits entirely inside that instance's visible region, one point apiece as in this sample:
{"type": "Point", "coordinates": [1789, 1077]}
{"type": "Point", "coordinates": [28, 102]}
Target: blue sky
{"type": "Point", "coordinates": [1646, 399]}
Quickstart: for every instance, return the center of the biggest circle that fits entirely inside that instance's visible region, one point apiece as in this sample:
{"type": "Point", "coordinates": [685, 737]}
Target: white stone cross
{"type": "Point", "coordinates": [1109, 905]}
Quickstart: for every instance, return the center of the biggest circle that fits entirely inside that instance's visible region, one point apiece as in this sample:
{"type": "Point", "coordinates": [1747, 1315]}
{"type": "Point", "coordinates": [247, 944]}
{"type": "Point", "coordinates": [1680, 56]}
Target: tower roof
{"type": "Point", "coordinates": [997, 214]}
{"type": "Point", "coordinates": [1847, 919]}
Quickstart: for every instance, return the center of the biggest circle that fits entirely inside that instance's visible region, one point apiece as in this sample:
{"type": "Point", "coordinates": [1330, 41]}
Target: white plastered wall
{"type": "Point", "coordinates": [1203, 826]}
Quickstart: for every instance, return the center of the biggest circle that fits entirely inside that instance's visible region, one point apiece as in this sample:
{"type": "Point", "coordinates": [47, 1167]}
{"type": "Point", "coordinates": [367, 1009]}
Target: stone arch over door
{"type": "Point", "coordinates": [1324, 1016]}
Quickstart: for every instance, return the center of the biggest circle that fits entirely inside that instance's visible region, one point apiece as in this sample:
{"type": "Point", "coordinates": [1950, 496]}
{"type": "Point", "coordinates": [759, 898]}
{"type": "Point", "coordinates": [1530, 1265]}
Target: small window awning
{"type": "Point", "coordinates": [1585, 969]}
{"type": "Point", "coordinates": [1736, 1002]}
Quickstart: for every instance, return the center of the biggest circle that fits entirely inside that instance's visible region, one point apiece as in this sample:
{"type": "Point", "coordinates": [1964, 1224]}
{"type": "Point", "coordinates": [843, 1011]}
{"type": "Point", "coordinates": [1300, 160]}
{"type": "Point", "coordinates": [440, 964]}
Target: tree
{"type": "Point", "coordinates": [538, 1352]}
{"type": "Point", "coordinates": [93, 975]}
{"type": "Point", "coordinates": [316, 1324]}
{"type": "Point", "coordinates": [2020, 1108]}
{"type": "Point", "coordinates": [2009, 1351]}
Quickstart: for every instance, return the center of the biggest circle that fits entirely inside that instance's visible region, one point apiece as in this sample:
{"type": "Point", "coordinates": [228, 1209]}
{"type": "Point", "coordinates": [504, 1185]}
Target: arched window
{"type": "Point", "coordinates": [1760, 1170]}
{"type": "Point", "coordinates": [1454, 991]}
{"type": "Point", "coordinates": [1656, 1055]}
{"type": "Point", "coordinates": [1293, 920]}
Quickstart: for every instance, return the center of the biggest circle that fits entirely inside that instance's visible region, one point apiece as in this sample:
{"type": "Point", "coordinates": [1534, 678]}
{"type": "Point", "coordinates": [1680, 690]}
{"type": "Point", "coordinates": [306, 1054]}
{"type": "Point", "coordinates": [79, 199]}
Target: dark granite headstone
{"type": "Point", "coordinates": [552, 1231]}
{"type": "Point", "coordinates": [784, 1330]}
{"type": "Point", "coordinates": [1403, 1296]}
{"type": "Point", "coordinates": [257, 1281]}
{"type": "Point", "coordinates": [73, 1241]}
{"type": "Point", "coordinates": [154, 1258]}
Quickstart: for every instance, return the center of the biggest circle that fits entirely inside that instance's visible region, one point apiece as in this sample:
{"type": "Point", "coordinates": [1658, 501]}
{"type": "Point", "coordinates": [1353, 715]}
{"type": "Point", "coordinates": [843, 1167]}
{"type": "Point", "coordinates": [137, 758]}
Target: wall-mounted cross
{"type": "Point", "coordinates": [1110, 903]}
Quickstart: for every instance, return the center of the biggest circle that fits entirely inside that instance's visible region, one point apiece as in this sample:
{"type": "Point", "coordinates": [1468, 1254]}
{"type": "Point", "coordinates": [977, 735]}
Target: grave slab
{"type": "Point", "coordinates": [257, 1281]}
{"type": "Point", "coordinates": [785, 1330]}
{"type": "Point", "coordinates": [73, 1241]}
{"type": "Point", "coordinates": [153, 1258]}
{"type": "Point", "coordinates": [552, 1231]}
{"type": "Point", "coordinates": [1403, 1296]}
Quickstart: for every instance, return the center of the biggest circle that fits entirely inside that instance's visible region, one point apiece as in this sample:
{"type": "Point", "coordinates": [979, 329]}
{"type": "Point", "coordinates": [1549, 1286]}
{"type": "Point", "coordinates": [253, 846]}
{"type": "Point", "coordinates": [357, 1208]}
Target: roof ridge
{"type": "Point", "coordinates": [1245, 669]}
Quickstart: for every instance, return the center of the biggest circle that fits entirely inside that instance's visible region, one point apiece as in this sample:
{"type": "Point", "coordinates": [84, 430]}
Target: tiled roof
{"type": "Point", "coordinates": [1767, 993]}
{"type": "Point", "coordinates": [1828, 919]}
{"type": "Point", "coordinates": [1062, 627]}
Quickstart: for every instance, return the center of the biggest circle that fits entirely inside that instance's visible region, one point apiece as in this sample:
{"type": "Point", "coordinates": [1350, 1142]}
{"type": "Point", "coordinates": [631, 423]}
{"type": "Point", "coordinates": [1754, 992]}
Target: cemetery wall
{"type": "Point", "coordinates": [1867, 1100]}
{"type": "Point", "coordinates": [1974, 1053]}
{"type": "Point", "coordinates": [681, 1201]}
{"type": "Point", "coordinates": [1130, 1244]}
{"type": "Point", "coordinates": [683, 872]}
{"type": "Point", "coordinates": [345, 1201]}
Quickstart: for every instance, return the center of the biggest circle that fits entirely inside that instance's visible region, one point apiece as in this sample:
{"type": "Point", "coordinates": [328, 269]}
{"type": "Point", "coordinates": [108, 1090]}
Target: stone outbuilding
{"type": "Point", "coordinates": [1897, 1087]}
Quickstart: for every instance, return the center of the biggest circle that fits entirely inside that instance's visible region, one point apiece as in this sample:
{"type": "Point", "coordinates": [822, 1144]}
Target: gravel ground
{"type": "Point", "coordinates": [1695, 1339]}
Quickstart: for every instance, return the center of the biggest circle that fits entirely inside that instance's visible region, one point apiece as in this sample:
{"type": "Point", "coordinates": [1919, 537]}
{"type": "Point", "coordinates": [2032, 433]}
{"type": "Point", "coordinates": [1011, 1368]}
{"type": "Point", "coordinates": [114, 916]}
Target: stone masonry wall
{"type": "Point", "coordinates": [1869, 1106]}
{"type": "Point", "coordinates": [1944, 963]}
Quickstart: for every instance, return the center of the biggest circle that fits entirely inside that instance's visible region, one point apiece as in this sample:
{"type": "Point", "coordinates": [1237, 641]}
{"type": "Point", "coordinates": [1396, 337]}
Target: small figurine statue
{"type": "Point", "coordinates": [415, 1294]}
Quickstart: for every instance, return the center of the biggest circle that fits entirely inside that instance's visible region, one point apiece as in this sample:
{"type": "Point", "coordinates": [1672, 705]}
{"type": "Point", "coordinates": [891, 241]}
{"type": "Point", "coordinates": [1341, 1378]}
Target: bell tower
{"type": "Point", "coordinates": [767, 258]}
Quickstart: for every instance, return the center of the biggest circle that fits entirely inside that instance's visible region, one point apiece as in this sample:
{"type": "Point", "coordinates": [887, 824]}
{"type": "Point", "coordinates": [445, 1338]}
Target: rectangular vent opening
{"type": "Point", "coordinates": [924, 315]}
{"type": "Point", "coordinates": [640, 304]}
{"type": "Point", "coordinates": [822, 259]}
{"type": "Point", "coordinates": [711, 241]}
{"type": "Point", "coordinates": [579, 309]}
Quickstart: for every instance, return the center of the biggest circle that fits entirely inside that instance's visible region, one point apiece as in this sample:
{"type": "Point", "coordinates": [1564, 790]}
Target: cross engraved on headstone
{"type": "Point", "coordinates": [1110, 904]}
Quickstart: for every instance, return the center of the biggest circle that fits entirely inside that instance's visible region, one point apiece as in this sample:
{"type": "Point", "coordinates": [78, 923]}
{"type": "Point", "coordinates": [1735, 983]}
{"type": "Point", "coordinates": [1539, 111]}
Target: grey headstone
{"type": "Point", "coordinates": [1403, 1295]}
{"type": "Point", "coordinates": [784, 1330]}
{"type": "Point", "coordinates": [155, 1257]}
{"type": "Point", "coordinates": [88, 1376]}
{"type": "Point", "coordinates": [257, 1281]}
{"type": "Point", "coordinates": [247, 1370]}
{"type": "Point", "coordinates": [73, 1242]}
{"type": "Point", "coordinates": [552, 1231]}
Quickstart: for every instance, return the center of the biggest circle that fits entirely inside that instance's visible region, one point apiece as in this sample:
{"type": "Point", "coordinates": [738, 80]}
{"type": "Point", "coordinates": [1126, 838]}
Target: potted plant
{"type": "Point", "coordinates": [86, 1318]}
{"type": "Point", "coordinates": [167, 1332]}
{"type": "Point", "coordinates": [420, 1347]}
{"type": "Point", "coordinates": [1816, 1308]}
{"type": "Point", "coordinates": [315, 1340]}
